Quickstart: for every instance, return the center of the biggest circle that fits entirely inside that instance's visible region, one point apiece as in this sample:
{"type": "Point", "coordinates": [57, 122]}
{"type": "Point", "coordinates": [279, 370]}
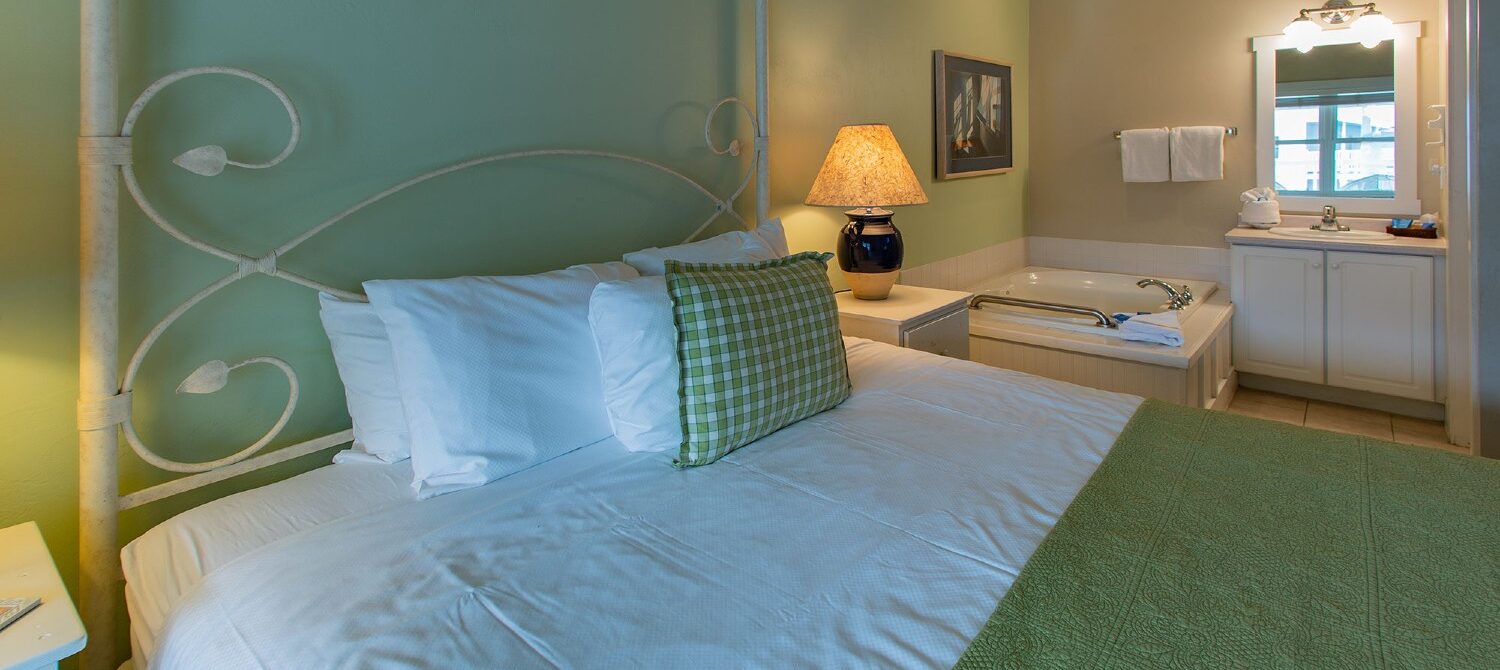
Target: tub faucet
{"type": "Point", "coordinates": [1330, 222]}
{"type": "Point", "coordinates": [1177, 299]}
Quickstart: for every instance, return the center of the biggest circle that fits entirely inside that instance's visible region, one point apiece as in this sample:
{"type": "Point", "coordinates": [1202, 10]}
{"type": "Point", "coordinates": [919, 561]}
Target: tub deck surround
{"type": "Point", "coordinates": [1210, 317]}
{"type": "Point", "coordinates": [1109, 293]}
{"type": "Point", "coordinates": [1199, 373]}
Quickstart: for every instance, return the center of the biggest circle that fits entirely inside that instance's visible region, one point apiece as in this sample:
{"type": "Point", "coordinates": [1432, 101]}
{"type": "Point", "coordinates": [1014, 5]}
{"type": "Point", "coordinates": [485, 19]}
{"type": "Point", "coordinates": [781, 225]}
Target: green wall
{"type": "Point", "coordinates": [837, 62]}
{"type": "Point", "coordinates": [388, 88]}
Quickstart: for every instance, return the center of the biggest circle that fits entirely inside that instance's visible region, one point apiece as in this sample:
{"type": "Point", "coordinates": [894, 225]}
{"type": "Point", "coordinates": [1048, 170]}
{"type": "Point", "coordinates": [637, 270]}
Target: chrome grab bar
{"type": "Point", "coordinates": [985, 298]}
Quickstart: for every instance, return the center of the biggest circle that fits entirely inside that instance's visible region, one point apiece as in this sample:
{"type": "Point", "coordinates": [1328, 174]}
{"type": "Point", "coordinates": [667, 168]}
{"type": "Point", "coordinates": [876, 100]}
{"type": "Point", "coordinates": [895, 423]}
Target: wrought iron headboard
{"type": "Point", "coordinates": [104, 406]}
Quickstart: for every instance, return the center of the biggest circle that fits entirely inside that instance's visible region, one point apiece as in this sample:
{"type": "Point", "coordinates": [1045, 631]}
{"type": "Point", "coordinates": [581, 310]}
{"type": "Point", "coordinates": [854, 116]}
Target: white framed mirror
{"type": "Point", "coordinates": [1338, 124]}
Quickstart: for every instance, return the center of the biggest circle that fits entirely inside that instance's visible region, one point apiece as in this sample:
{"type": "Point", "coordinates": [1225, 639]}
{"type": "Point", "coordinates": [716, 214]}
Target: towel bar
{"type": "Point", "coordinates": [1230, 132]}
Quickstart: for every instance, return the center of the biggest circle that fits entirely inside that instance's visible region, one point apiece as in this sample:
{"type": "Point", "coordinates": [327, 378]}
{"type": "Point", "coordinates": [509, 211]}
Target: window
{"type": "Point", "coordinates": [1336, 138]}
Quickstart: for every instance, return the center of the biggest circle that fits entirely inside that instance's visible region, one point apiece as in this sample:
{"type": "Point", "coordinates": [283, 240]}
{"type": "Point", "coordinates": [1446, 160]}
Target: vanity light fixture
{"type": "Point", "coordinates": [1370, 24]}
{"type": "Point", "coordinates": [1374, 28]}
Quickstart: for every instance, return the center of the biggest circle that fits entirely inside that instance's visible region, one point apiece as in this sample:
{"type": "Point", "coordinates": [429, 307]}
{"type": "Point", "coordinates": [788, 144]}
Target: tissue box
{"type": "Point", "coordinates": [1262, 213]}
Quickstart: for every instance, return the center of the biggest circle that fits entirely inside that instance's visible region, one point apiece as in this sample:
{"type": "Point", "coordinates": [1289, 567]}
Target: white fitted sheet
{"type": "Point", "coordinates": [879, 534]}
{"type": "Point", "coordinates": [167, 562]}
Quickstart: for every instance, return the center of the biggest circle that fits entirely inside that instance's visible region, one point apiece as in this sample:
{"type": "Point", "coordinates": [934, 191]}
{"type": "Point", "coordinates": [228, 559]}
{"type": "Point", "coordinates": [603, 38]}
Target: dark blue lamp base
{"type": "Point", "coordinates": [870, 253]}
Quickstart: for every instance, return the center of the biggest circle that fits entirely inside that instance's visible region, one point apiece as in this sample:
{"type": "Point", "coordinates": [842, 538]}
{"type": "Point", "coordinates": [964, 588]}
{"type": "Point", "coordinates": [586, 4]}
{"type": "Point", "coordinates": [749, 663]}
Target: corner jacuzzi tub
{"type": "Point", "coordinates": [1109, 293]}
{"type": "Point", "coordinates": [1074, 348]}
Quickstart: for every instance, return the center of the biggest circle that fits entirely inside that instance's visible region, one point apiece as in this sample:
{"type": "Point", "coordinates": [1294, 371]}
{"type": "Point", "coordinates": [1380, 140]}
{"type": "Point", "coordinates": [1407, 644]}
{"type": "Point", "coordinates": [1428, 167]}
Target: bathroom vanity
{"type": "Point", "coordinates": [1329, 308]}
{"type": "Point", "coordinates": [1346, 312]}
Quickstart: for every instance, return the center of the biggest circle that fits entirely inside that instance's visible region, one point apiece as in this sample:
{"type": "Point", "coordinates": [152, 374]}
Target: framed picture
{"type": "Point", "coordinates": [972, 122]}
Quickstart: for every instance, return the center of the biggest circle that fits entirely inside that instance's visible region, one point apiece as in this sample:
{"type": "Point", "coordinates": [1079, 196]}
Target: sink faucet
{"type": "Point", "coordinates": [1330, 221]}
{"type": "Point", "coordinates": [1178, 299]}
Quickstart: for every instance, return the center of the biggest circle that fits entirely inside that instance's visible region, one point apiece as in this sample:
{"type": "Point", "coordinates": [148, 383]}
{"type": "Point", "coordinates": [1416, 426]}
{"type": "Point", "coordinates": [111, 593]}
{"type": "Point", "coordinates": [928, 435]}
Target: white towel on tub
{"type": "Point", "coordinates": [1145, 155]}
{"type": "Point", "coordinates": [1160, 328]}
{"type": "Point", "coordinates": [1198, 153]}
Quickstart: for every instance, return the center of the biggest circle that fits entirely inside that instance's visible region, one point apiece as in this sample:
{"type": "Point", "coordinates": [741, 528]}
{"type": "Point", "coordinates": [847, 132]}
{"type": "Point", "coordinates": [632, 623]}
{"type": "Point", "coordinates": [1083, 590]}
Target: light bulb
{"type": "Point", "coordinates": [1302, 33]}
{"type": "Point", "coordinates": [1373, 28]}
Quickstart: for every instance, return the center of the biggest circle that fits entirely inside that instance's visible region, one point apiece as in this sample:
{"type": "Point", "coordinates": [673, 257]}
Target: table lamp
{"type": "Point", "coordinates": [866, 170]}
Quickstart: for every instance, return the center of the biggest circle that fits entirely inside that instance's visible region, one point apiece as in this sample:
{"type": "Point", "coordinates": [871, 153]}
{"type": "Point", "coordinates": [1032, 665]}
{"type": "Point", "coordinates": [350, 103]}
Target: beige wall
{"type": "Point", "coordinates": [1098, 67]}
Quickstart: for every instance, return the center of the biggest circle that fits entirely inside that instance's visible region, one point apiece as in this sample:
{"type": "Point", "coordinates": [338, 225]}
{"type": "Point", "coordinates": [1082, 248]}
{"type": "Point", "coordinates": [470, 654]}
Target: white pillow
{"type": "Point", "coordinates": [496, 373]}
{"type": "Point", "coordinates": [774, 235]}
{"type": "Point", "coordinates": [735, 247]}
{"type": "Point", "coordinates": [362, 353]}
{"type": "Point", "coordinates": [637, 341]}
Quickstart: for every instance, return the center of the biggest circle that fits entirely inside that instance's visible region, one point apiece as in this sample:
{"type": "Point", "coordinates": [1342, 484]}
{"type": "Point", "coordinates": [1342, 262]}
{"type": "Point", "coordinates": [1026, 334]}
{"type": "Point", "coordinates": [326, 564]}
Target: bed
{"type": "Point", "coordinates": [109, 368]}
{"type": "Point", "coordinates": [880, 533]}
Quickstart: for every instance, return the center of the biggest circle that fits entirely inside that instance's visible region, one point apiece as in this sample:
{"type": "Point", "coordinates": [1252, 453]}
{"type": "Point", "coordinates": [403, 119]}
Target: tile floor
{"type": "Point", "coordinates": [1341, 419]}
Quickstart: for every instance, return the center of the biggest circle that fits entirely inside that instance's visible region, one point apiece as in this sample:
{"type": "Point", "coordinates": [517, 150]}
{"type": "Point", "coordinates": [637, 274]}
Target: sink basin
{"type": "Point", "coordinates": [1352, 235]}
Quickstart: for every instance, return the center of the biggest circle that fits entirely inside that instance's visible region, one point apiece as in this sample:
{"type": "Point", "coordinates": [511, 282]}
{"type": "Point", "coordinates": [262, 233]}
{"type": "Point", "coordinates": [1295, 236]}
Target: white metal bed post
{"type": "Point", "coordinates": [762, 112]}
{"type": "Point", "coordinates": [99, 151]}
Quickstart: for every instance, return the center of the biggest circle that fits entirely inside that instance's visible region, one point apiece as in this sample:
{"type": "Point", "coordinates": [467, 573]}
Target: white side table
{"type": "Point", "coordinates": [52, 631]}
{"type": "Point", "coordinates": [927, 319]}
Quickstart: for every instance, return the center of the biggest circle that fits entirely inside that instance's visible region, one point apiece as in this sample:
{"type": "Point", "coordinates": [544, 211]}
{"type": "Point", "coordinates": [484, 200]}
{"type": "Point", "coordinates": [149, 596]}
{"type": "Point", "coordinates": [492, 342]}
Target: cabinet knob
{"type": "Point", "coordinates": [1335, 266]}
{"type": "Point", "coordinates": [1317, 266]}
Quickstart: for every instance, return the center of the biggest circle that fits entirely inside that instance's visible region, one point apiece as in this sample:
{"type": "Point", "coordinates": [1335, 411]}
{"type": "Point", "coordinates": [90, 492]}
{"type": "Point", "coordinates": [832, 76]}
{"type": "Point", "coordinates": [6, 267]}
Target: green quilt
{"type": "Point", "coordinates": [1208, 540]}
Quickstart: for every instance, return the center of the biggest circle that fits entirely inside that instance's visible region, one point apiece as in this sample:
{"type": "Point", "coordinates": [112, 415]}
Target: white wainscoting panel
{"type": "Point", "coordinates": [972, 270]}
{"type": "Point", "coordinates": [1158, 260]}
{"type": "Point", "coordinates": [967, 272]}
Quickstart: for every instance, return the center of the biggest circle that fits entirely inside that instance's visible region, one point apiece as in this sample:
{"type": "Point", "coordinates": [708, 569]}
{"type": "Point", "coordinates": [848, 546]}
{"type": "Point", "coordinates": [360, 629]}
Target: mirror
{"type": "Point", "coordinates": [1337, 123]}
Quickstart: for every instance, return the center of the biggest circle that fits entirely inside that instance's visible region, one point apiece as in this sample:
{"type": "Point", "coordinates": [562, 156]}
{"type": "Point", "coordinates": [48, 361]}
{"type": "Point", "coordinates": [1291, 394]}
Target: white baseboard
{"type": "Point", "coordinates": [1418, 409]}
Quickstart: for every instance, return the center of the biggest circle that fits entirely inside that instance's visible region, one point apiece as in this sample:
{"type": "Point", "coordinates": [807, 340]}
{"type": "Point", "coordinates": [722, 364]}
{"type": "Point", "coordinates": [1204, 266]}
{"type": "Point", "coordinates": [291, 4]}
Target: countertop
{"type": "Point", "coordinates": [1410, 246]}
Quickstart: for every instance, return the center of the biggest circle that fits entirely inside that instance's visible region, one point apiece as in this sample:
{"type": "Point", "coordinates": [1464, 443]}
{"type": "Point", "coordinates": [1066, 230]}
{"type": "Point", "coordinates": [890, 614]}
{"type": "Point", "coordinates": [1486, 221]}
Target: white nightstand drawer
{"type": "Point", "coordinates": [929, 319]}
{"type": "Point", "coordinates": [946, 336]}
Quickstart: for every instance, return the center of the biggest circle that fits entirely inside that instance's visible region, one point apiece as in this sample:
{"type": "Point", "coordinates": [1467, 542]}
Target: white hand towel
{"type": "Point", "coordinates": [1198, 153]}
{"type": "Point", "coordinates": [1145, 155]}
{"type": "Point", "coordinates": [1160, 328]}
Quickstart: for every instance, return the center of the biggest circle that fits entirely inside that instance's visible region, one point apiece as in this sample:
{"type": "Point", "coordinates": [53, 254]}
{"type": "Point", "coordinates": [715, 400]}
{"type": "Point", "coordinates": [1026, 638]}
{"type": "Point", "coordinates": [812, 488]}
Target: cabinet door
{"type": "Point", "coordinates": [1380, 324]}
{"type": "Point", "coordinates": [1278, 320]}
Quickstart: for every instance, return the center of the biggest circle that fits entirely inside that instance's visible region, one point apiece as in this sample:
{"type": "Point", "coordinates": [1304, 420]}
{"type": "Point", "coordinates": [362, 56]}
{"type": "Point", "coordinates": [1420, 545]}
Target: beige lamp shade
{"type": "Point", "coordinates": [865, 168]}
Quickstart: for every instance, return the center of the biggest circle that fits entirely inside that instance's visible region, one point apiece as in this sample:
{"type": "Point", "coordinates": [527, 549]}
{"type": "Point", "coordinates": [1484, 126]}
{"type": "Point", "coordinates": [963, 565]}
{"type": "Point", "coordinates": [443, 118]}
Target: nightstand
{"type": "Point", "coordinates": [926, 319]}
{"type": "Point", "coordinates": [52, 631]}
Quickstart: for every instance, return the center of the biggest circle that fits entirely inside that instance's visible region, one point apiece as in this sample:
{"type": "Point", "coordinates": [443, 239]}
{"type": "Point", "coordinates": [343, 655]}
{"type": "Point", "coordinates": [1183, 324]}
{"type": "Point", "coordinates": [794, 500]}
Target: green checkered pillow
{"type": "Point", "coordinates": [759, 349]}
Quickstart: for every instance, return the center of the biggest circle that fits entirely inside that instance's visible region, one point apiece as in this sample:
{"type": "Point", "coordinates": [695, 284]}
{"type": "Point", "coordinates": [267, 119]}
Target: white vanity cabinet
{"type": "Point", "coordinates": [1278, 303]}
{"type": "Point", "coordinates": [1363, 321]}
{"type": "Point", "coordinates": [1380, 323]}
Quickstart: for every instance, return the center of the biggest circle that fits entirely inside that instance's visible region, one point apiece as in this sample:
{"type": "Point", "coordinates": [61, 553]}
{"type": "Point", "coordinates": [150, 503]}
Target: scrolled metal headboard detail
{"type": "Point", "coordinates": [211, 161]}
{"type": "Point", "coordinates": [105, 156]}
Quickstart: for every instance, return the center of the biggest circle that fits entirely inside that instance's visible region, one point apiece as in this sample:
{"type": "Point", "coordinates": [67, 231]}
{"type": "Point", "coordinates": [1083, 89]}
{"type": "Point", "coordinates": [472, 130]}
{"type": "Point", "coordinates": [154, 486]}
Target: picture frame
{"type": "Point", "coordinates": [973, 116]}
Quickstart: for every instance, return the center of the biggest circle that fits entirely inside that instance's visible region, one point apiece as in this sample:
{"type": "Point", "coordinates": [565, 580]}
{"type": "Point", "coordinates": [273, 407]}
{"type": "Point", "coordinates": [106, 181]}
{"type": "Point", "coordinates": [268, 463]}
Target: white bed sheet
{"type": "Point", "coordinates": [167, 562]}
{"type": "Point", "coordinates": [879, 534]}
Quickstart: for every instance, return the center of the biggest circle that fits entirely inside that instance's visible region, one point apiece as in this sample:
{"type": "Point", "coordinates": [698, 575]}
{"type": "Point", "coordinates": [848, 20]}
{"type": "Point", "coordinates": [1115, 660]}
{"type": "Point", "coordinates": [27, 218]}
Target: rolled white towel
{"type": "Point", "coordinates": [1258, 194]}
{"type": "Point", "coordinates": [1159, 328]}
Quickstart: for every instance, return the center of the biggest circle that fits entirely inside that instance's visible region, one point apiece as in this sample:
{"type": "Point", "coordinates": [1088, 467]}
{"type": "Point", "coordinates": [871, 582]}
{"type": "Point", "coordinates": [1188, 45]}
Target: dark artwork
{"type": "Point", "coordinates": [973, 116]}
